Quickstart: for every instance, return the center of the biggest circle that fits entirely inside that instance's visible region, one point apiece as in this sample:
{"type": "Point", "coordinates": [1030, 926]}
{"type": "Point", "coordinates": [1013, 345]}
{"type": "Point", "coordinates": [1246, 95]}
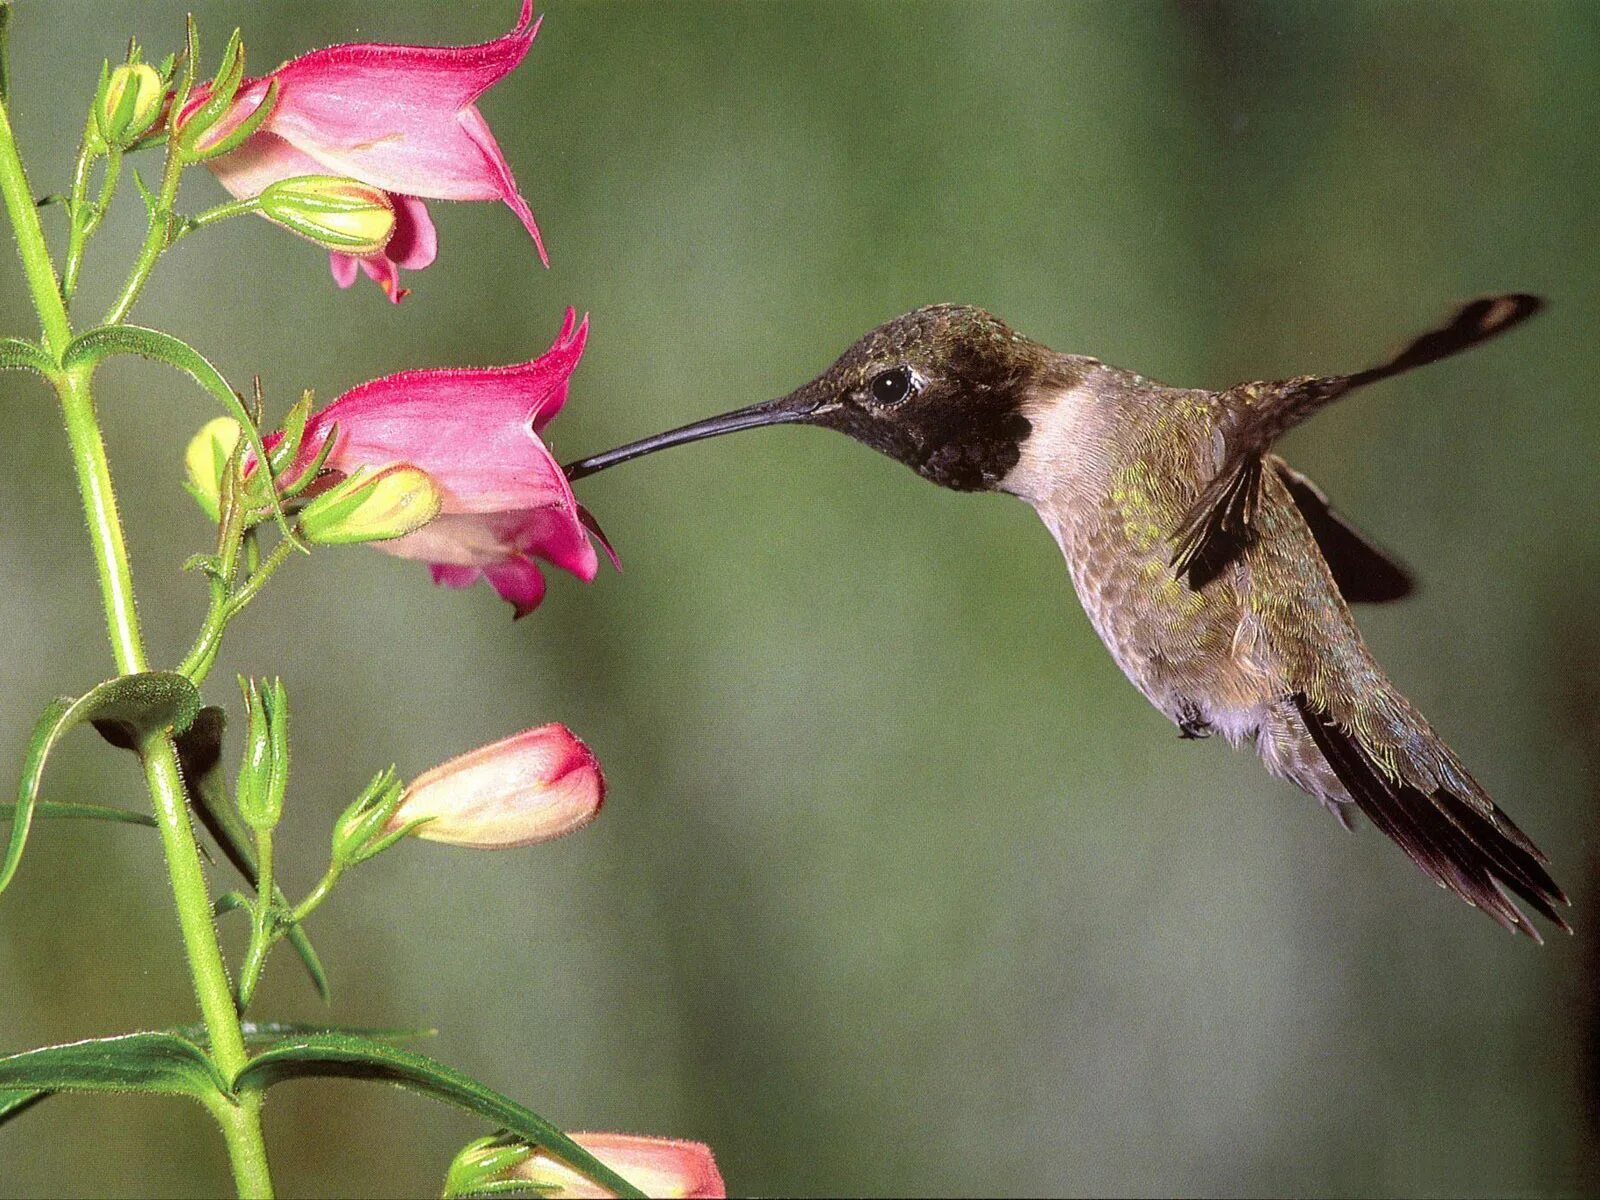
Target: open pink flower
{"type": "Point", "coordinates": [401, 118]}
{"type": "Point", "coordinates": [504, 500]}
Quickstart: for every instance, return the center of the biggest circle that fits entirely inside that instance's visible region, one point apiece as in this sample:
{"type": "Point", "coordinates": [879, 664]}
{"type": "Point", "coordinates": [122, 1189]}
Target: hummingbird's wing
{"type": "Point", "coordinates": [1365, 573]}
{"type": "Point", "coordinates": [1220, 523]}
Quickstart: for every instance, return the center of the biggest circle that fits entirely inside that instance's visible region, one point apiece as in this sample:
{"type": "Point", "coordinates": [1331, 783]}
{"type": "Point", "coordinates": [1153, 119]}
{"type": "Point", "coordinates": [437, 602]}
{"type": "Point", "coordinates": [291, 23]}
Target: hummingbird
{"type": "Point", "coordinates": [1218, 576]}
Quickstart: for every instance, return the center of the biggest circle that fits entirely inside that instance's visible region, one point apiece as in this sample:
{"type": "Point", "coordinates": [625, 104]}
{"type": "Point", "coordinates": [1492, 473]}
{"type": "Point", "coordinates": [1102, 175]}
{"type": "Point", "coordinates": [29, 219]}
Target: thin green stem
{"type": "Point", "coordinates": [78, 233]}
{"type": "Point", "coordinates": [241, 1122]}
{"type": "Point", "coordinates": [158, 235]}
{"type": "Point", "coordinates": [36, 263]}
{"type": "Point", "coordinates": [225, 606]}
{"type": "Point", "coordinates": [317, 894]}
{"type": "Point", "coordinates": [263, 926]}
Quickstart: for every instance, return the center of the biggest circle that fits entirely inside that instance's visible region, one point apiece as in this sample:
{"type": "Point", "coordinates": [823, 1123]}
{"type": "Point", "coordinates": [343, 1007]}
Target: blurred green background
{"type": "Point", "coordinates": [900, 887]}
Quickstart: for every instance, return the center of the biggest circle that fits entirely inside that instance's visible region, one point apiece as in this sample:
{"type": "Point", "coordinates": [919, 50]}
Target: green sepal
{"type": "Point", "coordinates": [472, 1172]}
{"type": "Point", "coordinates": [347, 1056]}
{"type": "Point", "coordinates": [101, 343]}
{"type": "Point", "coordinates": [19, 354]}
{"type": "Point", "coordinates": [127, 711]}
{"type": "Point", "coordinates": [51, 810]}
{"type": "Point", "coordinates": [162, 1064]}
{"type": "Point", "coordinates": [244, 130]}
{"type": "Point", "coordinates": [200, 752]}
{"type": "Point", "coordinates": [224, 87]}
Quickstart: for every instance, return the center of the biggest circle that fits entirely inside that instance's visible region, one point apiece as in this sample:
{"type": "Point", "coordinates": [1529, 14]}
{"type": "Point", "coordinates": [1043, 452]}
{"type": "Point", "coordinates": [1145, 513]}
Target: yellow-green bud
{"type": "Point", "coordinates": [372, 505]}
{"type": "Point", "coordinates": [207, 458]}
{"type": "Point", "coordinates": [337, 214]}
{"type": "Point", "coordinates": [130, 100]}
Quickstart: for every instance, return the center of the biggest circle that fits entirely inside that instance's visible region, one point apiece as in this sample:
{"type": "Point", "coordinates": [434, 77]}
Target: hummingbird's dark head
{"type": "Point", "coordinates": [940, 389]}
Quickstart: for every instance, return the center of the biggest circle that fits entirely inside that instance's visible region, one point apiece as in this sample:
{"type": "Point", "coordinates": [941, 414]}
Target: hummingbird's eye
{"type": "Point", "coordinates": [891, 386]}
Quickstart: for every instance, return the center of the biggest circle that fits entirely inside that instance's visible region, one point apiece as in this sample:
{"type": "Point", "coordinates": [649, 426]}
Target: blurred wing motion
{"type": "Point", "coordinates": [1221, 521]}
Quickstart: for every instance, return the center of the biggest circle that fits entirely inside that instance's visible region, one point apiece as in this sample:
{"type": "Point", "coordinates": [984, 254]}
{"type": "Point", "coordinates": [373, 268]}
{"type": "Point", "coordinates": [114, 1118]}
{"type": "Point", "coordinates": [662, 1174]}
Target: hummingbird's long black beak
{"type": "Point", "coordinates": [796, 407]}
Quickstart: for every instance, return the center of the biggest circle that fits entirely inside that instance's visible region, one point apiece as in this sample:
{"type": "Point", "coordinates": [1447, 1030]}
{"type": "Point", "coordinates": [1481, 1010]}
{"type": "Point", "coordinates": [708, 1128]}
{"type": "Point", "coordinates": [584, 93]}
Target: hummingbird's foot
{"type": "Point", "coordinates": [1191, 725]}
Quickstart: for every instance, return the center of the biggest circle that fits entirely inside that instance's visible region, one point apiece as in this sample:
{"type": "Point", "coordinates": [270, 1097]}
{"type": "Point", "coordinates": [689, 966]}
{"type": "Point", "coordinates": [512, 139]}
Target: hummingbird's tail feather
{"type": "Point", "coordinates": [1219, 524]}
{"type": "Point", "coordinates": [1455, 834]}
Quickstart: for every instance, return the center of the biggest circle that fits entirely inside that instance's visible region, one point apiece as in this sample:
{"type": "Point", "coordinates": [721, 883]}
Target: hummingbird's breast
{"type": "Point", "coordinates": [1114, 463]}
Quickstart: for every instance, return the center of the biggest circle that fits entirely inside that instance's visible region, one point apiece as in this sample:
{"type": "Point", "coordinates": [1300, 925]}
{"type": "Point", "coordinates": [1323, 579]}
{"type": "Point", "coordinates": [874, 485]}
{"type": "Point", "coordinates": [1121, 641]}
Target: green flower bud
{"type": "Point", "coordinates": [337, 214]}
{"type": "Point", "coordinates": [372, 506]}
{"type": "Point", "coordinates": [206, 459]}
{"type": "Point", "coordinates": [129, 101]}
{"type": "Point", "coordinates": [264, 770]}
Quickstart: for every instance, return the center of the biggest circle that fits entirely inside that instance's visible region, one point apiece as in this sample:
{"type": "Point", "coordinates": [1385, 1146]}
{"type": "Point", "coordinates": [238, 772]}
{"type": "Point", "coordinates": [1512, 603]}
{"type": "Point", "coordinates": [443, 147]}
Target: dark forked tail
{"type": "Point", "coordinates": [1455, 834]}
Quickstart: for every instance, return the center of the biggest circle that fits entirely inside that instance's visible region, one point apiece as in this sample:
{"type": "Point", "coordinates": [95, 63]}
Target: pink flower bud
{"type": "Point", "coordinates": [531, 787]}
{"type": "Point", "coordinates": [662, 1167]}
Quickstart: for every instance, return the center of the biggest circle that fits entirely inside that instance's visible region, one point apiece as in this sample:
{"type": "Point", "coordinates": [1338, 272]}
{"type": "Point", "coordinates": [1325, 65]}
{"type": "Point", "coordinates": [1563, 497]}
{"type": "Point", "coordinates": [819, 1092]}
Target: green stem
{"type": "Point", "coordinates": [78, 233]}
{"type": "Point", "coordinates": [241, 1122]}
{"type": "Point", "coordinates": [224, 607]}
{"type": "Point", "coordinates": [317, 894]}
{"type": "Point", "coordinates": [263, 921]}
{"type": "Point", "coordinates": [157, 237]}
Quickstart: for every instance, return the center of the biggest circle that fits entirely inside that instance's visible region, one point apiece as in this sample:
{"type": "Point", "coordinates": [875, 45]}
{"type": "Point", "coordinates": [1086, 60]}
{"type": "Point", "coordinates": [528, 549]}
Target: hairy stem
{"type": "Point", "coordinates": [159, 234]}
{"type": "Point", "coordinates": [240, 1122]}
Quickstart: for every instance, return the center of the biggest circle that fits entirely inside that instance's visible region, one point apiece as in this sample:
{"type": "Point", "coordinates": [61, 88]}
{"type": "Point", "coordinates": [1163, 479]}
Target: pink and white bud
{"type": "Point", "coordinates": [531, 787]}
{"type": "Point", "coordinates": [660, 1167]}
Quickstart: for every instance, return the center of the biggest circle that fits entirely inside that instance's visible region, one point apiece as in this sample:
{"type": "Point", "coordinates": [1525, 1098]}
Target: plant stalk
{"type": "Point", "coordinates": [240, 1122]}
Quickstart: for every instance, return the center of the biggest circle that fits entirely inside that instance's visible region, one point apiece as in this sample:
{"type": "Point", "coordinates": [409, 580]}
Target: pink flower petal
{"type": "Point", "coordinates": [343, 267]}
{"type": "Point", "coordinates": [414, 243]}
{"type": "Point", "coordinates": [388, 115]}
{"type": "Point", "coordinates": [451, 576]}
{"type": "Point", "coordinates": [518, 581]}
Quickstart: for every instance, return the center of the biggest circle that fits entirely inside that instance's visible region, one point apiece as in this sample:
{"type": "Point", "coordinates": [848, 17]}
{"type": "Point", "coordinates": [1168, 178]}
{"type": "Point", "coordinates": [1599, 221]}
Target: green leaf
{"type": "Point", "coordinates": [352, 1057]}
{"type": "Point", "coordinates": [257, 1034]}
{"type": "Point", "coordinates": [82, 812]}
{"type": "Point", "coordinates": [101, 343]}
{"type": "Point", "coordinates": [200, 753]}
{"type": "Point", "coordinates": [127, 711]}
{"type": "Point", "coordinates": [161, 1064]}
{"type": "Point", "coordinates": [19, 354]}
{"type": "Point", "coordinates": [16, 1101]}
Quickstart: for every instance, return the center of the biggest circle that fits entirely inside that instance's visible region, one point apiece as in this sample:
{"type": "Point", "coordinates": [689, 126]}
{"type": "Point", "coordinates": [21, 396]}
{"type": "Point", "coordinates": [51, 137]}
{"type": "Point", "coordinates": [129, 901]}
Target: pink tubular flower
{"type": "Point", "coordinates": [662, 1167]}
{"type": "Point", "coordinates": [400, 118]}
{"type": "Point", "coordinates": [503, 497]}
{"type": "Point", "coordinates": [531, 787]}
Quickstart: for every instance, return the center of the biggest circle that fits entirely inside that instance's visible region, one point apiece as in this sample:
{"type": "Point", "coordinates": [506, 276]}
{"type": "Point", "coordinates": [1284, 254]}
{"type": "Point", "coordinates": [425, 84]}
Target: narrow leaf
{"type": "Point", "coordinates": [51, 810]}
{"type": "Point", "coordinates": [130, 707]}
{"type": "Point", "coordinates": [161, 1064]}
{"type": "Point", "coordinates": [15, 1102]}
{"type": "Point", "coordinates": [352, 1057]}
{"type": "Point", "coordinates": [19, 354]}
{"type": "Point", "coordinates": [97, 344]}
{"type": "Point", "coordinates": [200, 752]}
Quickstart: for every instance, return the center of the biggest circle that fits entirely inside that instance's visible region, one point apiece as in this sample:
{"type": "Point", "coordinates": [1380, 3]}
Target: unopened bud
{"type": "Point", "coordinates": [207, 458]}
{"type": "Point", "coordinates": [264, 768]}
{"type": "Point", "coordinates": [337, 214]}
{"type": "Point", "coordinates": [656, 1166]}
{"type": "Point", "coordinates": [130, 100]}
{"type": "Point", "coordinates": [372, 506]}
{"type": "Point", "coordinates": [531, 787]}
